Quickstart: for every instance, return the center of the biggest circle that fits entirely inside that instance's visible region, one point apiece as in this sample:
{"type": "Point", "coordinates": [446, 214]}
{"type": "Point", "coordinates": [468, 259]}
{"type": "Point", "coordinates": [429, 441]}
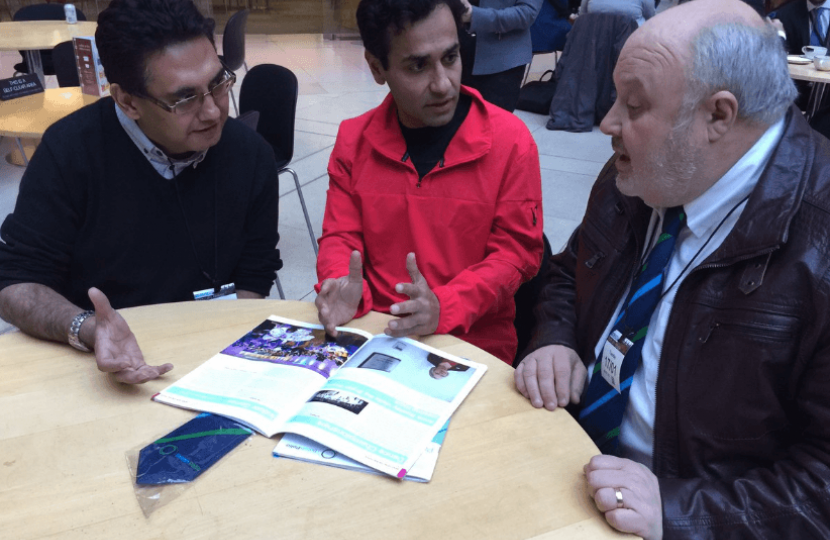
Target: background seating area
{"type": "Point", "coordinates": [335, 84]}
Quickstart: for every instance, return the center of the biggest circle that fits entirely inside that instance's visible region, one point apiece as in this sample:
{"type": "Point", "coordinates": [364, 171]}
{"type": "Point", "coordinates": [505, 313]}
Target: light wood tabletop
{"type": "Point", "coordinates": [35, 35]}
{"type": "Point", "coordinates": [506, 470]}
{"type": "Point", "coordinates": [29, 116]}
{"type": "Point", "coordinates": [808, 72]}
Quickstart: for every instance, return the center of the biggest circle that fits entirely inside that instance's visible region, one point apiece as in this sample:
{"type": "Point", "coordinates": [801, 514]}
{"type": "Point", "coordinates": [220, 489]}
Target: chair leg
{"type": "Point", "coordinates": [23, 153]}
{"type": "Point", "coordinates": [279, 287]}
{"type": "Point", "coordinates": [233, 98]}
{"type": "Point", "coordinates": [305, 211]}
{"type": "Point", "coordinates": [244, 63]}
{"type": "Point", "coordinates": [527, 72]}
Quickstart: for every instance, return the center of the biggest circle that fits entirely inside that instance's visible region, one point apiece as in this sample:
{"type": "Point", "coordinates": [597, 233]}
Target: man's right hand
{"type": "Point", "coordinates": [551, 376]}
{"type": "Point", "coordinates": [339, 298]}
{"type": "Point", "coordinates": [116, 349]}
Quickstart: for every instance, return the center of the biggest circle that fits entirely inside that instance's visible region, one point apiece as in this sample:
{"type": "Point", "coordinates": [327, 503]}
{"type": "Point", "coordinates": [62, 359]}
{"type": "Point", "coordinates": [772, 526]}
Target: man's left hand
{"type": "Point", "coordinates": [422, 309]}
{"type": "Point", "coordinates": [641, 512]}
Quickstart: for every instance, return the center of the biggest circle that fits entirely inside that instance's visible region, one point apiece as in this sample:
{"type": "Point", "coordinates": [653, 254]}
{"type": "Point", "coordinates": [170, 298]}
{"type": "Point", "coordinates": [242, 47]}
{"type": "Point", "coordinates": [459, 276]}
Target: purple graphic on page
{"type": "Point", "coordinates": [286, 344]}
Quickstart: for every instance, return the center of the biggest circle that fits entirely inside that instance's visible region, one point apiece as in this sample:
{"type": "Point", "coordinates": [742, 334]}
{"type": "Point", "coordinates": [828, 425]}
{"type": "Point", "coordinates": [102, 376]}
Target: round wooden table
{"type": "Point", "coordinates": [808, 72]}
{"type": "Point", "coordinates": [506, 470]}
{"type": "Point", "coordinates": [28, 117]}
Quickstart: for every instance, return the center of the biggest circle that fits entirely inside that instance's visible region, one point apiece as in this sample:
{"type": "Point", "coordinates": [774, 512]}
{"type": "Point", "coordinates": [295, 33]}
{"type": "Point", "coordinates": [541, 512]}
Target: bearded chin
{"type": "Point", "coordinates": [667, 177]}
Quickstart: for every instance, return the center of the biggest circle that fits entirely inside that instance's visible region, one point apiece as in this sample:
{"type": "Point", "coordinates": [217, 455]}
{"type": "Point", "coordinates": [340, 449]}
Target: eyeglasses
{"type": "Point", "coordinates": [193, 103]}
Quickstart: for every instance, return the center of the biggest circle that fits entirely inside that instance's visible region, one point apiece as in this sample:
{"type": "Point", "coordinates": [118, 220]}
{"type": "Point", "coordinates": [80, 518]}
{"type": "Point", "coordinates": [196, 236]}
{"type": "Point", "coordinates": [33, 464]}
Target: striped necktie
{"type": "Point", "coordinates": [603, 409]}
{"type": "Point", "coordinates": [820, 18]}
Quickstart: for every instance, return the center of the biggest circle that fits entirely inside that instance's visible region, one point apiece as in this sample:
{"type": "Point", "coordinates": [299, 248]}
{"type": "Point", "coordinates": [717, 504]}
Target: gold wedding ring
{"type": "Point", "coordinates": [619, 497]}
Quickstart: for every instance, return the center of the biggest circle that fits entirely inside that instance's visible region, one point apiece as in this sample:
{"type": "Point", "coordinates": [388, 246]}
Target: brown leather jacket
{"type": "Point", "coordinates": [742, 426]}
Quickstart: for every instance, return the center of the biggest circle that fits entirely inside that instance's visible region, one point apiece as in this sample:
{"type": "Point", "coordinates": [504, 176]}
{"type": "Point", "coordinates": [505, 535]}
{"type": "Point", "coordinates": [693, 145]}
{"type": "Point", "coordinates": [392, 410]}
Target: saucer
{"type": "Point", "coordinates": [798, 59]}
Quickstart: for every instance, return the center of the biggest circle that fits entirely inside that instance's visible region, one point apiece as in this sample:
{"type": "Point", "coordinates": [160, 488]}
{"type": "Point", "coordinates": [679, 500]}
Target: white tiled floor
{"type": "Point", "coordinates": [335, 84]}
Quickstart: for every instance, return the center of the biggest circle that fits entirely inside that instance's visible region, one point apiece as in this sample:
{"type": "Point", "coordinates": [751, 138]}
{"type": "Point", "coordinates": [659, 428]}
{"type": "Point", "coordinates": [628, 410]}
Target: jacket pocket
{"type": "Point", "coordinates": [738, 377]}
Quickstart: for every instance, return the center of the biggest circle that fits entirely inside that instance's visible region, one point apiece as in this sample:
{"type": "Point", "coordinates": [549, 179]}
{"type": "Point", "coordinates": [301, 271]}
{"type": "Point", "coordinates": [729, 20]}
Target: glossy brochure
{"type": "Point", "coordinates": [296, 447]}
{"type": "Point", "coordinates": [377, 400]}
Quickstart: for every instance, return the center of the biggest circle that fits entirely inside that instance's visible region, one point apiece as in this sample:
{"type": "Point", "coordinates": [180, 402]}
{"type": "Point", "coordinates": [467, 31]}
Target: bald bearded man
{"type": "Point", "coordinates": [689, 315]}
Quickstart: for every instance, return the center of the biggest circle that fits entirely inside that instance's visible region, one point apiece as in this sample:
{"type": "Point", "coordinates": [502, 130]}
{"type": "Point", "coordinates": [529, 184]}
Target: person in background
{"type": "Point", "coordinates": [692, 304]}
{"type": "Point", "coordinates": [434, 206]}
{"type": "Point", "coordinates": [806, 22]}
{"type": "Point", "coordinates": [151, 195]}
{"type": "Point", "coordinates": [637, 9]}
{"type": "Point", "coordinates": [757, 5]}
{"type": "Point", "coordinates": [496, 47]}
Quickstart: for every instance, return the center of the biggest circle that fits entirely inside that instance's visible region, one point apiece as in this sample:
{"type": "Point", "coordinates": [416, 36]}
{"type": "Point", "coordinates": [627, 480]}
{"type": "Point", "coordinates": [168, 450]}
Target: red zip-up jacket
{"type": "Point", "coordinates": [474, 221]}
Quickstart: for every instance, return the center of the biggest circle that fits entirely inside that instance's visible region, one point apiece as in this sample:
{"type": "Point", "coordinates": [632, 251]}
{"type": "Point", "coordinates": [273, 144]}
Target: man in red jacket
{"type": "Point", "coordinates": [434, 208]}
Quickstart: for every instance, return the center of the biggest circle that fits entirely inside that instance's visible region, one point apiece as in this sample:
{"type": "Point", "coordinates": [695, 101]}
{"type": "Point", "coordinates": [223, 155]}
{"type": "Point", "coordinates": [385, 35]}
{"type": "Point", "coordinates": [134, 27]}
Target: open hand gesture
{"type": "Point", "coordinates": [339, 298]}
{"type": "Point", "coordinates": [116, 349]}
{"type": "Point", "coordinates": [420, 311]}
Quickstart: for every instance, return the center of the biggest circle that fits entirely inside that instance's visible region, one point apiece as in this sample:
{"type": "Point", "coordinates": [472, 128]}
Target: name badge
{"type": "Point", "coordinates": [613, 353]}
{"type": "Point", "coordinates": [225, 292]}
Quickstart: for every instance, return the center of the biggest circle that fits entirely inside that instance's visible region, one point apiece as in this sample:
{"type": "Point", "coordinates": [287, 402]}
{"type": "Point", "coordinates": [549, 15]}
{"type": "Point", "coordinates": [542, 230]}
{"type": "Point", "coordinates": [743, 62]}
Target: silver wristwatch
{"type": "Point", "coordinates": [75, 328]}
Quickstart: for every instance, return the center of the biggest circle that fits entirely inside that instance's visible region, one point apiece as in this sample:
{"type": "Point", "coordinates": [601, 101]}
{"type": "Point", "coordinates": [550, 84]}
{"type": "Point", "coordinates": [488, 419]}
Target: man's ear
{"type": "Point", "coordinates": [125, 100]}
{"type": "Point", "coordinates": [376, 67]}
{"type": "Point", "coordinates": [721, 113]}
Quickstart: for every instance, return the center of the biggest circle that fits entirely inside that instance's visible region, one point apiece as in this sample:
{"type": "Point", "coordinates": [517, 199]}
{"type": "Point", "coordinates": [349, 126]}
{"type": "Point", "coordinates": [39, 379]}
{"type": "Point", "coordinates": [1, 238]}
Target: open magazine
{"type": "Point", "coordinates": [375, 399]}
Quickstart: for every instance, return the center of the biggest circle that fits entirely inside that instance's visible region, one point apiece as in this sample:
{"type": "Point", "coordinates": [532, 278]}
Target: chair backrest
{"type": "Point", "coordinates": [44, 12]}
{"type": "Point", "coordinates": [272, 90]}
{"type": "Point", "coordinates": [233, 40]}
{"type": "Point", "coordinates": [250, 119]}
{"type": "Point", "coordinates": [63, 59]}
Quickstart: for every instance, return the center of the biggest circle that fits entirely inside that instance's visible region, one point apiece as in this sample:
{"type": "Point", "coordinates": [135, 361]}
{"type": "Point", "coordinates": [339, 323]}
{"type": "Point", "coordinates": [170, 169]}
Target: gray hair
{"type": "Point", "coordinates": [749, 62]}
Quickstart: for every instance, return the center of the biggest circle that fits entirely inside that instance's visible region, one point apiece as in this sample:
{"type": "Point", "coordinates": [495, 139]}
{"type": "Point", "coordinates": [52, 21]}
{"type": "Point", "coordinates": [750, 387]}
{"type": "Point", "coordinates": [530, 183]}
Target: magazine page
{"type": "Point", "coordinates": [302, 449]}
{"type": "Point", "coordinates": [387, 402]}
{"type": "Point", "coordinates": [264, 377]}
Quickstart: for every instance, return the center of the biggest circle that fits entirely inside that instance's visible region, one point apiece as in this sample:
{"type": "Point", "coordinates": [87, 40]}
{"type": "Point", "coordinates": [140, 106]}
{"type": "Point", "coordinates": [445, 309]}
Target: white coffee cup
{"type": "Point", "coordinates": [822, 63]}
{"type": "Point", "coordinates": [811, 52]}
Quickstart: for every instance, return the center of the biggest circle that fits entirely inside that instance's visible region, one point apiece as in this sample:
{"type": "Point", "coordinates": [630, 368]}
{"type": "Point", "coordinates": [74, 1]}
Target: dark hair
{"type": "Point", "coordinates": [379, 20]}
{"type": "Point", "coordinates": [130, 31]}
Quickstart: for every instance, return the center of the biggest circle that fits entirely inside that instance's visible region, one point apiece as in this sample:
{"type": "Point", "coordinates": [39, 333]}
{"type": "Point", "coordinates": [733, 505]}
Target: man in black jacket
{"type": "Point", "coordinates": [150, 196]}
{"type": "Point", "coordinates": [798, 19]}
{"type": "Point", "coordinates": [696, 292]}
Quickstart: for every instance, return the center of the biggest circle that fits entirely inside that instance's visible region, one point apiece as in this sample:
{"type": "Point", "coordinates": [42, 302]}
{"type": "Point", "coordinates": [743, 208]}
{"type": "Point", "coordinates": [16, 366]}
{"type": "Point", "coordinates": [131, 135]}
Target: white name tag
{"type": "Point", "coordinates": [225, 292]}
{"type": "Point", "coordinates": [613, 353]}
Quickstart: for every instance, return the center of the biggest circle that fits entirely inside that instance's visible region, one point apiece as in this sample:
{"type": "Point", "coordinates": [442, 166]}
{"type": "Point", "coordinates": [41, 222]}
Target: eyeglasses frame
{"type": "Point", "coordinates": [172, 108]}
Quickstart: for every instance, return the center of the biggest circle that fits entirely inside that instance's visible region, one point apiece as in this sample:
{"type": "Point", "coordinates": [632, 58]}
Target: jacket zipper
{"type": "Point", "coordinates": [440, 166]}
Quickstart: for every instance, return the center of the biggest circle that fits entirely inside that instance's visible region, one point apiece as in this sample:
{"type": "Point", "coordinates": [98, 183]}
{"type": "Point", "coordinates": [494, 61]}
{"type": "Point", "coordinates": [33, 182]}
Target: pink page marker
{"type": "Point", "coordinates": [401, 473]}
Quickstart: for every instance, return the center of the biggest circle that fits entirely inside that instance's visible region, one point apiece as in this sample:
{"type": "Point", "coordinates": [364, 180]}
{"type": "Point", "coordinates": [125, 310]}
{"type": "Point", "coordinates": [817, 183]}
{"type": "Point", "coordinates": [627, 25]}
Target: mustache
{"type": "Point", "coordinates": [617, 145]}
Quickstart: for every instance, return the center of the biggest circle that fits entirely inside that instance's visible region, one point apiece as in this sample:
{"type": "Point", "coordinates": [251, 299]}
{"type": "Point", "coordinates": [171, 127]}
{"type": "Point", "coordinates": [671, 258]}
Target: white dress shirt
{"type": "Point", "coordinates": [702, 218]}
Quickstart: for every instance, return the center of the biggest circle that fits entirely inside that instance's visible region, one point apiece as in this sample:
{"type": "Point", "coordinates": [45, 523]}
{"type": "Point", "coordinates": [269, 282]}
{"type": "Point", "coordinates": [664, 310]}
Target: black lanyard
{"type": "Point", "coordinates": [688, 264]}
{"type": "Point", "coordinates": [215, 278]}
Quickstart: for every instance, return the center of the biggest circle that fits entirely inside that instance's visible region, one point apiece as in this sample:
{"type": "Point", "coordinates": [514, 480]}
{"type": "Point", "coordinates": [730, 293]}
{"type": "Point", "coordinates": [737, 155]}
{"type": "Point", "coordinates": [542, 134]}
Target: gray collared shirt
{"type": "Point", "coordinates": [166, 166]}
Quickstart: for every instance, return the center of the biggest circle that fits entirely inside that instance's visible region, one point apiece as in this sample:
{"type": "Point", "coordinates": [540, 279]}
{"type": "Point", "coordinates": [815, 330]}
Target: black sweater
{"type": "Point", "coordinates": [92, 211]}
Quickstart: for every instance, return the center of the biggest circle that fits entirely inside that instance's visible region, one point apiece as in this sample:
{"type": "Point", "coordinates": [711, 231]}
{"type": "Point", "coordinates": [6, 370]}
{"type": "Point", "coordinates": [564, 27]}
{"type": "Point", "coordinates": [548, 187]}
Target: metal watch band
{"type": "Point", "coordinates": [75, 328]}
